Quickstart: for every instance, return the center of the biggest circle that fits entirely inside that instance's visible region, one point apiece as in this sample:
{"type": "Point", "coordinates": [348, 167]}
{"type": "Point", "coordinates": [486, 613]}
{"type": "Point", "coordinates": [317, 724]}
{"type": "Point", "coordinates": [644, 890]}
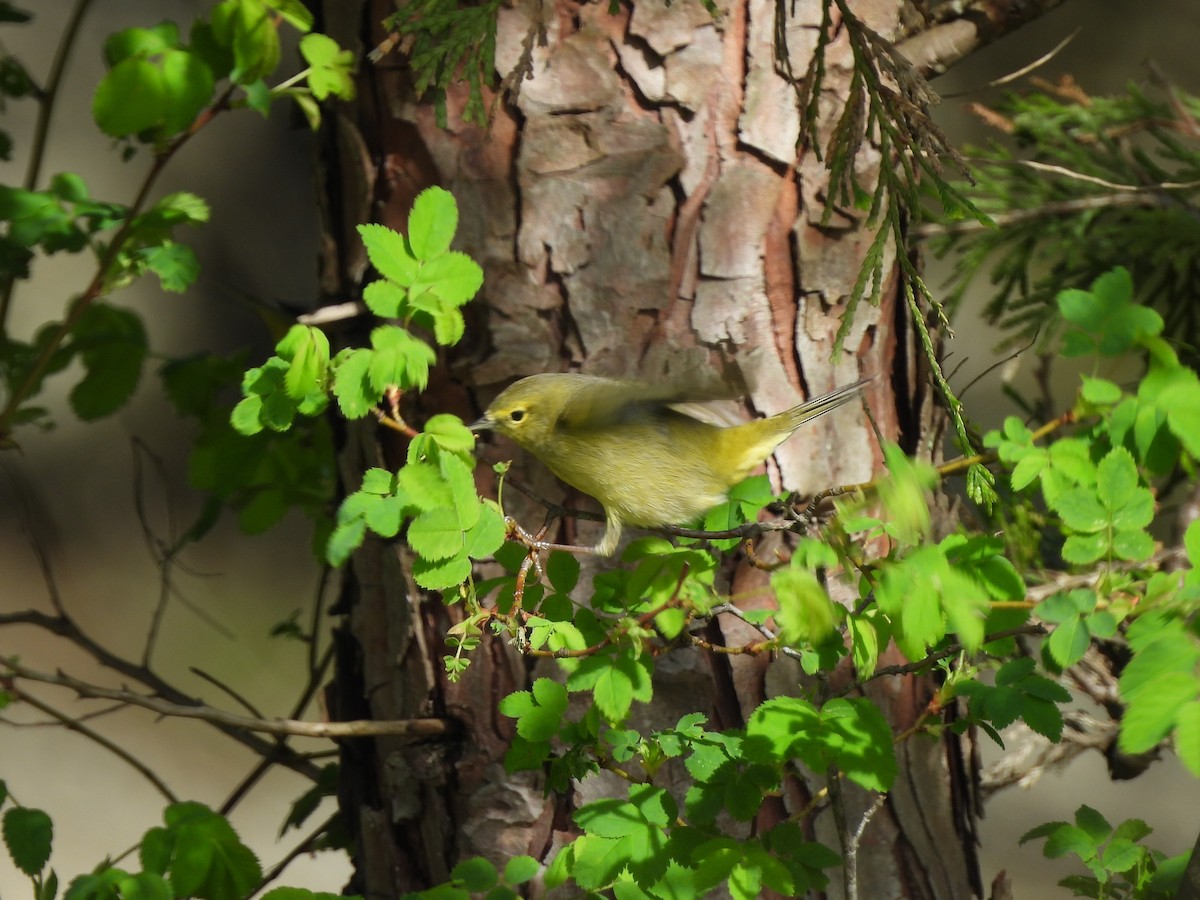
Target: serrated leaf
{"type": "Point", "coordinates": [1083, 549]}
{"type": "Point", "coordinates": [864, 646]}
{"type": "Point", "coordinates": [386, 516]}
{"type": "Point", "coordinates": [112, 344]}
{"type": "Point", "coordinates": [442, 574]}
{"type": "Point", "coordinates": [1134, 546]}
{"type": "Point", "coordinates": [385, 298]}
{"type": "Point", "coordinates": [450, 434]}
{"type": "Point", "coordinates": [805, 611]}
{"type": "Point", "coordinates": [389, 253]}
{"type": "Point", "coordinates": [436, 534]}
{"type": "Point", "coordinates": [351, 387]}
{"type": "Point", "coordinates": [28, 834]}
{"type": "Point", "coordinates": [1081, 510]}
{"type": "Point", "coordinates": [1116, 479]}
{"type": "Point", "coordinates": [175, 265]}
{"type": "Point", "coordinates": [1092, 822]}
{"type": "Point", "coordinates": [432, 223]}
{"type": "Point", "coordinates": [399, 359]}
{"type": "Point", "coordinates": [1151, 713]}
{"type": "Point", "coordinates": [1028, 469]}
{"type": "Point", "coordinates": [454, 277]}
{"type": "Point", "coordinates": [345, 538]}
{"type": "Point", "coordinates": [1069, 641]}
{"type": "Point", "coordinates": [246, 416]}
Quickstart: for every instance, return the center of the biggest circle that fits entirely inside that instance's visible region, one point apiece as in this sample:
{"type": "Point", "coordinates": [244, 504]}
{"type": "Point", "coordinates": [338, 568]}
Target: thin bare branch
{"type": "Point", "coordinates": [65, 627]}
{"type": "Point", "coordinates": [964, 26]}
{"type": "Point", "coordinates": [418, 729]}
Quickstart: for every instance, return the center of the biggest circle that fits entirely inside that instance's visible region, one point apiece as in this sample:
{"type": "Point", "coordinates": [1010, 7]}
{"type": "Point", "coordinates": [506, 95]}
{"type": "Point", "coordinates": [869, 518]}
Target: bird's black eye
{"type": "Point", "coordinates": [517, 415]}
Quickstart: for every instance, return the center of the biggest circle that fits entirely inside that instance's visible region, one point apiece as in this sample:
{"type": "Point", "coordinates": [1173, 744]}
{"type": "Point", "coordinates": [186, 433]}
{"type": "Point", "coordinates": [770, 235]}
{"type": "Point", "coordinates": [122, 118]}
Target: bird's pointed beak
{"type": "Point", "coordinates": [483, 423]}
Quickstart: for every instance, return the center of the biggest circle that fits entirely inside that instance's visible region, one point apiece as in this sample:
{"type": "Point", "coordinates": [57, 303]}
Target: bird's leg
{"type": "Point", "coordinates": [538, 544]}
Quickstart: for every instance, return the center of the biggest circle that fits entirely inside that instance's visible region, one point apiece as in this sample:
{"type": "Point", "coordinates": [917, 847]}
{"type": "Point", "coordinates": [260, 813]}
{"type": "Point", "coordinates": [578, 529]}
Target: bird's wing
{"type": "Point", "coordinates": [604, 402]}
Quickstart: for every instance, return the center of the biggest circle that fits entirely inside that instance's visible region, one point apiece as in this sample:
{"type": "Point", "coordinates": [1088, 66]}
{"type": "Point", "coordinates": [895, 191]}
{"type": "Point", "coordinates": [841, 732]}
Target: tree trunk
{"type": "Point", "coordinates": [640, 207]}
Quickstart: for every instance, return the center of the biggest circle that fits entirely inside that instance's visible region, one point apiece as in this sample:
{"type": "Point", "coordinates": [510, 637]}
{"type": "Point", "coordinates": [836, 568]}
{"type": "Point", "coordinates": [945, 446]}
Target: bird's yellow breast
{"type": "Point", "coordinates": [667, 472]}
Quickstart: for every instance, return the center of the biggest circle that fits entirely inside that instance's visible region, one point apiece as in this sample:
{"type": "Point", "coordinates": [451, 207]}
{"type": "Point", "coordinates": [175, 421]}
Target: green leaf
{"type": "Point", "coordinates": [28, 834]}
{"type": "Point", "coordinates": [351, 386]}
{"type": "Point", "coordinates": [486, 536]}
{"type": "Point", "coordinates": [1182, 403]}
{"type": "Point", "coordinates": [247, 29]}
{"type": "Point", "coordinates": [306, 350]}
{"type": "Point", "coordinates": [432, 223]}
{"type": "Point", "coordinates": [399, 359]}
{"type": "Point", "coordinates": [1187, 736]}
{"type": "Point", "coordinates": [345, 538]}
{"type": "Point", "coordinates": [1081, 510]}
{"type": "Point", "coordinates": [903, 494]}
{"type": "Point", "coordinates": [1093, 823]}
{"type": "Point", "coordinates": [390, 254]}
{"type": "Point", "coordinates": [476, 874]}
{"type": "Point", "coordinates": [1069, 839]}
{"type": "Point", "coordinates": [562, 569]}
{"type": "Point", "coordinates": [112, 345]}
{"type": "Point", "coordinates": [1151, 713]}
{"type": "Point", "coordinates": [857, 739]}
{"type": "Point", "coordinates": [1100, 391]}
{"type": "Point", "coordinates": [294, 12]}
{"type": "Point", "coordinates": [1068, 642]}
{"type": "Point", "coordinates": [538, 711]}
{"type": "Point", "coordinates": [436, 534]}
{"type": "Point", "coordinates": [1107, 315]}
{"type": "Point", "coordinates": [140, 42]}
{"type": "Point", "coordinates": [331, 68]}
{"type": "Point", "coordinates": [454, 277]}
{"type": "Point", "coordinates": [520, 869]}
{"type": "Point", "coordinates": [864, 645]}
{"type": "Point", "coordinates": [385, 298]}
{"type": "Point", "coordinates": [1134, 546]}
{"type": "Point", "coordinates": [209, 859]}
{"type": "Point", "coordinates": [1082, 549]}
{"type": "Point", "coordinates": [1028, 469]}
{"type": "Point", "coordinates": [615, 681]}
{"type": "Point", "coordinates": [438, 575]}
{"type": "Point", "coordinates": [154, 88]}
{"type": "Point", "coordinates": [805, 611]}
{"type": "Point", "coordinates": [175, 265]}
{"type": "Point", "coordinates": [450, 434]}
{"type": "Point", "coordinates": [1116, 479]}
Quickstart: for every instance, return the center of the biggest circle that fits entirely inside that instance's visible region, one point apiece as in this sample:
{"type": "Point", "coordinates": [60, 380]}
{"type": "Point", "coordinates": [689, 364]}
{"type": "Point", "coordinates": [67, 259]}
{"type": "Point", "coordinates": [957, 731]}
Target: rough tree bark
{"type": "Point", "coordinates": [640, 207]}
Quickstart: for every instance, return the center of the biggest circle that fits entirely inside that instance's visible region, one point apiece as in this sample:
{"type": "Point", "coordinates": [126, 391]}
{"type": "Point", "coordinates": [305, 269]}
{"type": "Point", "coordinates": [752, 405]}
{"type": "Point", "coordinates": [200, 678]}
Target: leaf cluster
{"type": "Point", "coordinates": [158, 90]}
{"type": "Point", "coordinates": [1077, 182]}
{"type": "Point", "coordinates": [424, 285]}
{"type": "Point", "coordinates": [1098, 488]}
{"type": "Point", "coordinates": [194, 853]}
{"type": "Point", "coordinates": [1119, 865]}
